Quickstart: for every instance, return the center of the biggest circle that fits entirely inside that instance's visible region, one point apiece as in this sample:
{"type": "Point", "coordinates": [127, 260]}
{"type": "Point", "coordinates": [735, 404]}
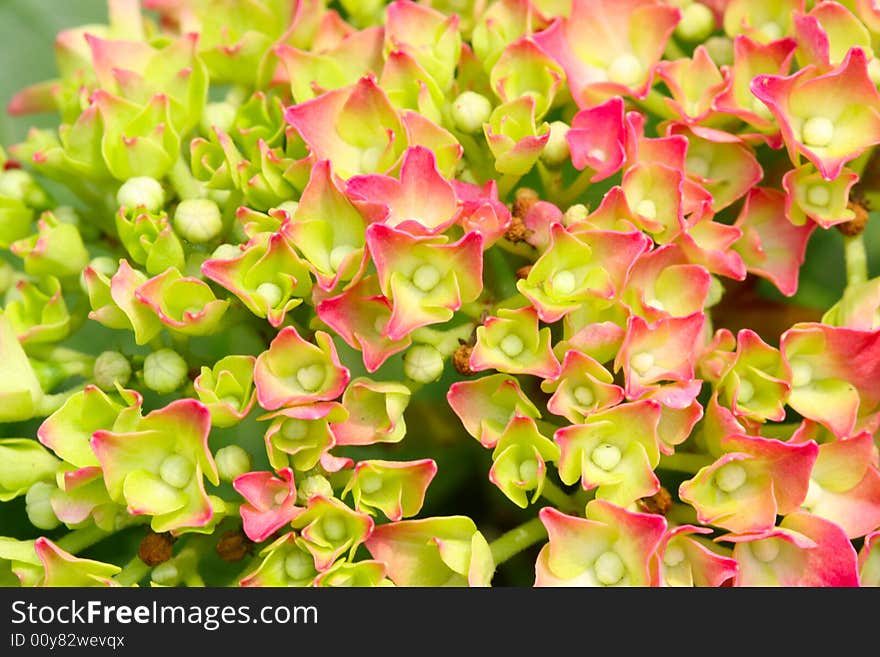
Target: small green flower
{"type": "Point", "coordinates": [227, 389]}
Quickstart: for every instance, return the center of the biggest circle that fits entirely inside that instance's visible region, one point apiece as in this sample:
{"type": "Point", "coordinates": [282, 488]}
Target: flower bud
{"type": "Point", "coordinates": [697, 23]}
{"type": "Point", "coordinates": [20, 185]}
{"type": "Point", "coordinates": [111, 368]}
{"type": "Point", "coordinates": [423, 363]}
{"type": "Point", "coordinates": [470, 111]}
{"type": "Point", "coordinates": [164, 371]}
{"type": "Point", "coordinates": [313, 485]}
{"type": "Point", "coordinates": [556, 151]}
{"type": "Point", "coordinates": [218, 115]}
{"type": "Point", "coordinates": [574, 214]}
{"type": "Point", "coordinates": [198, 220]}
{"type": "Point", "coordinates": [232, 461]}
{"type": "Point", "coordinates": [721, 51]}
{"type": "Point", "coordinates": [38, 507]}
{"type": "Point", "coordinates": [141, 192]}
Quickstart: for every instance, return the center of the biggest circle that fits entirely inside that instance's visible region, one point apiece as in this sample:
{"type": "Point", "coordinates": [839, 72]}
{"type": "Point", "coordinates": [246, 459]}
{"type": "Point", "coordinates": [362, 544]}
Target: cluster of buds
{"type": "Point", "coordinates": [273, 318]}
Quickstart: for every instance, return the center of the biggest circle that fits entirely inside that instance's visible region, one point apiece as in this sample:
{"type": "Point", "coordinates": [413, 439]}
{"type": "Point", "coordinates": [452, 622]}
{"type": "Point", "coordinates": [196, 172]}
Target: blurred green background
{"type": "Point", "coordinates": [27, 33]}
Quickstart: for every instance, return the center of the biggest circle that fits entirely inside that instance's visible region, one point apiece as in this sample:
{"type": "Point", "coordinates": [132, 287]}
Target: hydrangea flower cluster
{"type": "Point", "coordinates": [433, 293]}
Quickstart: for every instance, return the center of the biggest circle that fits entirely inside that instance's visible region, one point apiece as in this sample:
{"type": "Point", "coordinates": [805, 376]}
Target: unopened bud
{"type": "Point", "coordinates": [232, 461]}
{"type": "Point", "coordinates": [198, 220]}
{"type": "Point", "coordinates": [423, 363]}
{"type": "Point", "coordinates": [38, 506]}
{"type": "Point", "coordinates": [696, 24]}
{"type": "Point", "coordinates": [470, 111]}
{"type": "Point", "coordinates": [141, 192]}
{"type": "Point", "coordinates": [164, 371]}
{"type": "Point", "coordinates": [218, 115]}
{"type": "Point", "coordinates": [111, 368]}
{"type": "Point", "coordinates": [556, 152]}
{"type": "Point", "coordinates": [313, 485]}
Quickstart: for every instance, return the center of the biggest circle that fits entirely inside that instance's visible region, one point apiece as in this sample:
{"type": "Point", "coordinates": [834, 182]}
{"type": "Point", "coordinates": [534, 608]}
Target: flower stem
{"type": "Point", "coordinates": [506, 183]}
{"type": "Point", "coordinates": [133, 572]}
{"type": "Point", "coordinates": [80, 539]}
{"type": "Point", "coordinates": [856, 259]}
{"type": "Point", "coordinates": [683, 462]}
{"type": "Point", "coordinates": [575, 190]}
{"type": "Point", "coordinates": [559, 498]}
{"type": "Point", "coordinates": [517, 539]}
{"type": "Point", "coordinates": [655, 103]}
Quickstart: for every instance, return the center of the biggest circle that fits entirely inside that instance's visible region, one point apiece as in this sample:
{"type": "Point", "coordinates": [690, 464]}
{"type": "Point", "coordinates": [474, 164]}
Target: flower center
{"type": "Point", "coordinates": [370, 483]}
{"type": "Point", "coordinates": [370, 159]}
{"type": "Point", "coordinates": [270, 293]}
{"type": "Point", "coordinates": [642, 362]}
{"type": "Point", "coordinates": [280, 496]}
{"type": "Point", "coordinates": [334, 528]}
{"type": "Point", "coordinates": [647, 208]}
{"type": "Point", "coordinates": [564, 283]}
{"type": "Point", "coordinates": [673, 555]}
{"type": "Point", "coordinates": [609, 568]}
{"type": "Point", "coordinates": [818, 131]}
{"type": "Point", "coordinates": [294, 429]}
{"type": "Point", "coordinates": [818, 195]}
{"type": "Point", "coordinates": [298, 566]}
{"type": "Point", "coordinates": [626, 69]}
{"type": "Point", "coordinates": [310, 377]}
{"type": "Point", "coordinates": [584, 395]}
{"type": "Point", "coordinates": [766, 549]}
{"type": "Point", "coordinates": [426, 278]}
{"type": "Point", "coordinates": [698, 166]}
{"type": "Point", "coordinates": [746, 391]}
{"type": "Point", "coordinates": [528, 472]}
{"type": "Point", "coordinates": [801, 373]}
{"type": "Point", "coordinates": [606, 456]}
{"type": "Point", "coordinates": [176, 470]}
{"type": "Point", "coordinates": [730, 477]}
{"type": "Point", "coordinates": [338, 254]}
{"type": "Point", "coordinates": [656, 304]}
{"type": "Point", "coordinates": [771, 30]}
{"type": "Point", "coordinates": [512, 345]}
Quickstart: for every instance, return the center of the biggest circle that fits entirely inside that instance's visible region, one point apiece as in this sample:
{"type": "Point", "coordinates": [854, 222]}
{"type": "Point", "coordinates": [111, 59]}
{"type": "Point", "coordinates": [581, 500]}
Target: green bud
{"type": "Point", "coordinates": [716, 291]}
{"type": "Point", "coordinates": [20, 185]}
{"type": "Point", "coordinates": [470, 111]}
{"type": "Point", "coordinates": [141, 192]}
{"type": "Point", "coordinates": [313, 485]}
{"type": "Point", "coordinates": [696, 24]}
{"type": "Point", "coordinates": [225, 252]}
{"type": "Point", "coordinates": [574, 214]}
{"type": "Point", "coordinates": [556, 152]}
{"type": "Point", "coordinates": [111, 368]}
{"type": "Point", "coordinates": [67, 215]}
{"type": "Point", "coordinates": [198, 220]}
{"type": "Point", "coordinates": [232, 461]}
{"type": "Point", "coordinates": [218, 115]}
{"type": "Point", "coordinates": [721, 51]}
{"type": "Point", "coordinates": [38, 506]}
{"type": "Point", "coordinates": [164, 371]}
{"type": "Point", "coordinates": [423, 363]}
